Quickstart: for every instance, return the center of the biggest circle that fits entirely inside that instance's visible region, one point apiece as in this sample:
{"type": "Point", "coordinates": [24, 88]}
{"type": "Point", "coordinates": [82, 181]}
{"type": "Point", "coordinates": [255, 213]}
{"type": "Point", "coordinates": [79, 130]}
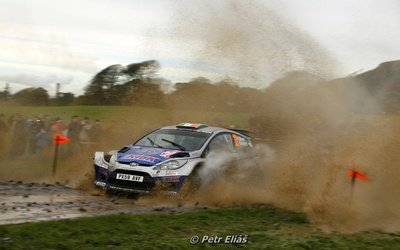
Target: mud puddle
{"type": "Point", "coordinates": [29, 202]}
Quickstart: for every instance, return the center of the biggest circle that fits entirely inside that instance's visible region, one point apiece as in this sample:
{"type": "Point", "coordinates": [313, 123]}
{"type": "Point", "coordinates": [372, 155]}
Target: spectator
{"type": "Point", "coordinates": [34, 128]}
{"type": "Point", "coordinates": [85, 131]}
{"type": "Point", "coordinates": [74, 129]}
{"type": "Point", "coordinates": [3, 133]}
{"type": "Point", "coordinates": [43, 140]}
{"type": "Point", "coordinates": [47, 123]}
{"type": "Point", "coordinates": [58, 127]}
{"type": "Point", "coordinates": [18, 136]}
{"type": "Point", "coordinates": [12, 118]}
{"type": "Point", "coordinates": [96, 132]}
{"type": "Point", "coordinates": [3, 125]}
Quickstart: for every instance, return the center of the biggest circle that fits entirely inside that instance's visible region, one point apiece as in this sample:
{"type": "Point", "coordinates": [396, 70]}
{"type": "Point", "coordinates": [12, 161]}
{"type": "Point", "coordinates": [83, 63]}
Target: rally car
{"type": "Point", "coordinates": [168, 156]}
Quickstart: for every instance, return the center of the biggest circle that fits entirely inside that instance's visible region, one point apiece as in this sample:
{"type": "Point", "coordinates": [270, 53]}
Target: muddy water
{"type": "Point", "coordinates": [29, 202]}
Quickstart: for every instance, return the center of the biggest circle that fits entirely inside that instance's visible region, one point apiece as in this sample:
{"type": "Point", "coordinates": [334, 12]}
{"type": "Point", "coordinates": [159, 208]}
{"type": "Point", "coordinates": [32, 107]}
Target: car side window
{"type": "Point", "coordinates": [221, 142]}
{"type": "Point", "coordinates": [241, 144]}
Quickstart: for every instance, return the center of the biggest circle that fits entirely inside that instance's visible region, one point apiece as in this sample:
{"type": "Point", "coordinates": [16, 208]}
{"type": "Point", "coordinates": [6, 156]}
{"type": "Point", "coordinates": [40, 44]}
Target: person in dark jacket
{"type": "Point", "coordinates": [74, 129]}
{"type": "Point", "coordinates": [3, 134]}
{"type": "Point", "coordinates": [43, 140]}
{"type": "Point", "coordinates": [34, 128]}
{"type": "Point", "coordinates": [18, 136]}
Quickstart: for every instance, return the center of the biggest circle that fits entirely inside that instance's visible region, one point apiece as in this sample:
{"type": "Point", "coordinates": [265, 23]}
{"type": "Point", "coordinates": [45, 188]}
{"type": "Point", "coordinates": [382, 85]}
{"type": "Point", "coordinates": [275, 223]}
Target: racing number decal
{"type": "Point", "coordinates": [235, 139]}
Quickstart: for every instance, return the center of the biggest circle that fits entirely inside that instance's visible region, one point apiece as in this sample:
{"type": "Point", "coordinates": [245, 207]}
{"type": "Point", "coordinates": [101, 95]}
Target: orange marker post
{"type": "Point", "coordinates": [57, 140]}
{"type": "Point", "coordinates": [355, 174]}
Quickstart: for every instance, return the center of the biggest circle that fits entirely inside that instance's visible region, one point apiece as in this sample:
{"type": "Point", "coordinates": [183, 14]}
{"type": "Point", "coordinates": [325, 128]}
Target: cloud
{"type": "Point", "coordinates": [184, 74]}
{"type": "Point", "coordinates": [249, 40]}
{"type": "Point", "coordinates": [192, 38]}
{"type": "Point", "coordinates": [43, 50]}
{"type": "Point", "coordinates": [46, 81]}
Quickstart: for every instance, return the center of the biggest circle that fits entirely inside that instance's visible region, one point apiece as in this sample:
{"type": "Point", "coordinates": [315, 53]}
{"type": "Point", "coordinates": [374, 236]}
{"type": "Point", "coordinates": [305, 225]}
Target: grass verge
{"type": "Point", "coordinates": [266, 227]}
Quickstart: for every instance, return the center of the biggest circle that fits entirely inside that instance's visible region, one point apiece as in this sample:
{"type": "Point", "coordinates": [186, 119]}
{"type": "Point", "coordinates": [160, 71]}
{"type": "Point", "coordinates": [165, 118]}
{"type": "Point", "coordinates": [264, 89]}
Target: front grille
{"type": "Point", "coordinates": [147, 184]}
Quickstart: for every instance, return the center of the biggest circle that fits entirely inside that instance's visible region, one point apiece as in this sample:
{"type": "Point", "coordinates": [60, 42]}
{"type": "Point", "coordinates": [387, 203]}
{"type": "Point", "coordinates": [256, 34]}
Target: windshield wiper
{"type": "Point", "coordinates": [153, 143]}
{"type": "Point", "coordinates": [175, 144]}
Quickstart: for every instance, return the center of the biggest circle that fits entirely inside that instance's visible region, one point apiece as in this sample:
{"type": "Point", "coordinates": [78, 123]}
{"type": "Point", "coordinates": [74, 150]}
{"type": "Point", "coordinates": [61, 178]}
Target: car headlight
{"type": "Point", "coordinates": [170, 165]}
{"type": "Point", "coordinates": [110, 157]}
{"type": "Point", "coordinates": [109, 160]}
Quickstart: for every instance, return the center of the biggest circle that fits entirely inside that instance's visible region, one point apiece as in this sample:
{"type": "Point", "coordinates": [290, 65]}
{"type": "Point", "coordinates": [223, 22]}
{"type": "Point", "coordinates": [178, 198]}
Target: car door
{"type": "Point", "coordinates": [242, 146]}
{"type": "Point", "coordinates": [221, 143]}
{"type": "Point", "coordinates": [226, 151]}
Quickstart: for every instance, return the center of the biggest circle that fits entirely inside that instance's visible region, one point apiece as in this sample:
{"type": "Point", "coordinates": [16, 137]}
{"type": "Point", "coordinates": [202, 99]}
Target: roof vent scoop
{"type": "Point", "coordinates": [187, 125]}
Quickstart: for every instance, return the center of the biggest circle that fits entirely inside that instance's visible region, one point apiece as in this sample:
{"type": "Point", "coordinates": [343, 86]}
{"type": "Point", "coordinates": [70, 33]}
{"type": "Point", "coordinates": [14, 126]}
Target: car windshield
{"type": "Point", "coordinates": [184, 140]}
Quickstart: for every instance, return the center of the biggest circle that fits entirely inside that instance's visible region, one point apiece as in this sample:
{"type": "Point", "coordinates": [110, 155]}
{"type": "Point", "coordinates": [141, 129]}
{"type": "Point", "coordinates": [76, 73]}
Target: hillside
{"type": "Point", "coordinates": [383, 83]}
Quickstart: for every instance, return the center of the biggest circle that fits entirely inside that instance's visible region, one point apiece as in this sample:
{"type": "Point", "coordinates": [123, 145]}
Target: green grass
{"type": "Point", "coordinates": [132, 115]}
{"type": "Point", "coordinates": [266, 227]}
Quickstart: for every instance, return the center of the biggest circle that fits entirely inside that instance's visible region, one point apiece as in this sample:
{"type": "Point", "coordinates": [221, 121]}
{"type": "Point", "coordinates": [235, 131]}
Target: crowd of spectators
{"type": "Point", "coordinates": [20, 135]}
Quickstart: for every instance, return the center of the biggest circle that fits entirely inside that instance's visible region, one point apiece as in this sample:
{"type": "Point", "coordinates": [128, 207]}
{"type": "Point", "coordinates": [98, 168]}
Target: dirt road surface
{"type": "Point", "coordinates": [28, 202]}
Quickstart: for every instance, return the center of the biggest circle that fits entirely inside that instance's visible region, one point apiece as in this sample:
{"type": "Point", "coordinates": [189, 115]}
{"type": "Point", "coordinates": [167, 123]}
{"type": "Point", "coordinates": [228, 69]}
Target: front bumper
{"type": "Point", "coordinates": [107, 179]}
{"type": "Point", "coordinates": [129, 190]}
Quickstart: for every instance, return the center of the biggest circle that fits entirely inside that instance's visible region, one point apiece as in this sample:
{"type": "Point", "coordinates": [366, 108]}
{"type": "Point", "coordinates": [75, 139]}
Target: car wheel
{"type": "Point", "coordinates": [192, 183]}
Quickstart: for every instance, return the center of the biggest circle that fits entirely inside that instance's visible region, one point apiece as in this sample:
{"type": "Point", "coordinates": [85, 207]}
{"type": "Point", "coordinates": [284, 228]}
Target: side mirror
{"type": "Point", "coordinates": [205, 152]}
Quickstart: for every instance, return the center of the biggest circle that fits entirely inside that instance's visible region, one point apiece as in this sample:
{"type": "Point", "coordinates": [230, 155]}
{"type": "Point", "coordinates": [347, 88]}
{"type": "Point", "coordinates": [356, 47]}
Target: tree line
{"type": "Point", "coordinates": [35, 96]}
{"type": "Point", "coordinates": [137, 84]}
{"type": "Point", "coordinates": [297, 104]}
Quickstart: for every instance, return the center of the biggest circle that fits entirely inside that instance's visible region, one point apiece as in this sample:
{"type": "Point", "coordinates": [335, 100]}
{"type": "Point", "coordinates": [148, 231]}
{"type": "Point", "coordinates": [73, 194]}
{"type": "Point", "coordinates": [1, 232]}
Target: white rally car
{"type": "Point", "coordinates": [168, 156]}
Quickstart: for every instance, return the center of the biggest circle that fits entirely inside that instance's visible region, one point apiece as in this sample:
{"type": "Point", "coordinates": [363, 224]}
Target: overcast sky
{"type": "Point", "coordinates": [43, 42]}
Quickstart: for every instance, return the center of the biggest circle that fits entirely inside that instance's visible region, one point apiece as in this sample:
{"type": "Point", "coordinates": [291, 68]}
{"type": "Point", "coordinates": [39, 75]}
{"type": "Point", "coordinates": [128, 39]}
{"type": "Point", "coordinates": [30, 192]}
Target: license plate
{"type": "Point", "coordinates": [129, 177]}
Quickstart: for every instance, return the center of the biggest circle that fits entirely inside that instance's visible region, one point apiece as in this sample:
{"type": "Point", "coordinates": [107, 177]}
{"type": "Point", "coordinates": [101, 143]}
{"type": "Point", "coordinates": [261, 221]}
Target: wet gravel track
{"type": "Point", "coordinates": [28, 202]}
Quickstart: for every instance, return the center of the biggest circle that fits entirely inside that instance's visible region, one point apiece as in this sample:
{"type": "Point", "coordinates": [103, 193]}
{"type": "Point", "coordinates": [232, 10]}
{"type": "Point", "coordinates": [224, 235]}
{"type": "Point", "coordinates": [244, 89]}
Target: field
{"type": "Point", "coordinates": [131, 115]}
{"type": "Point", "coordinates": [121, 125]}
{"type": "Point", "coordinates": [267, 227]}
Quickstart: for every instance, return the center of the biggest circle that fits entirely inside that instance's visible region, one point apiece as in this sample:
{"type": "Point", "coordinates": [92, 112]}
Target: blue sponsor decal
{"type": "Point", "coordinates": [147, 156]}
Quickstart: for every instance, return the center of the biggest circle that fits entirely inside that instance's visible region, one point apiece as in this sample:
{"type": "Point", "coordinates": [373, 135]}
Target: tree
{"type": "Point", "coordinates": [64, 99]}
{"type": "Point", "coordinates": [98, 91]}
{"type": "Point", "coordinates": [5, 94]}
{"type": "Point", "coordinates": [146, 69]}
{"type": "Point", "coordinates": [32, 96]}
{"type": "Point", "coordinates": [113, 84]}
{"type": "Point", "coordinates": [145, 93]}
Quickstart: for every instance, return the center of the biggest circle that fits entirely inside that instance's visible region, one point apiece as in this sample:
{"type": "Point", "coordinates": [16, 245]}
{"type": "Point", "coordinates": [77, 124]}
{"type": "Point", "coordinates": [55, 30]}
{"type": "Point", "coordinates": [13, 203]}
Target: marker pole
{"type": "Point", "coordinates": [353, 182]}
{"type": "Point", "coordinates": [55, 155]}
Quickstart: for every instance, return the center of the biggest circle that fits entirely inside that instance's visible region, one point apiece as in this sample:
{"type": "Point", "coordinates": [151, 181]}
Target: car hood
{"type": "Point", "coordinates": [144, 156]}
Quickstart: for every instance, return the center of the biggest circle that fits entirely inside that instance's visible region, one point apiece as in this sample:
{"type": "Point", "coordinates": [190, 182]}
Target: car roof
{"type": "Point", "coordinates": [201, 128]}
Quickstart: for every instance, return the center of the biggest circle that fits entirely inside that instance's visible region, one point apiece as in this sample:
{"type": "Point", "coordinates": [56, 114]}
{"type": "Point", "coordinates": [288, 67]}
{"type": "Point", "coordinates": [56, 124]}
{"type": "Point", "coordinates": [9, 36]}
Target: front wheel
{"type": "Point", "coordinates": [191, 185]}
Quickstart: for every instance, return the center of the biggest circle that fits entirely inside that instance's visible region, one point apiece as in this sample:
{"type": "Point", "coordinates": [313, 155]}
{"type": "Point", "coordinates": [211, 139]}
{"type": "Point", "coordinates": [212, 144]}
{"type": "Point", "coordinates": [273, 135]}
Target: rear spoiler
{"type": "Point", "coordinates": [242, 131]}
{"type": "Point", "coordinates": [254, 137]}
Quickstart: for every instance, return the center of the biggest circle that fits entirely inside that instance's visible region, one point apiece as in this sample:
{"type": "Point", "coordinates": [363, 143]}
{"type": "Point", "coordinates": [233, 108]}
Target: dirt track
{"type": "Point", "coordinates": [28, 202]}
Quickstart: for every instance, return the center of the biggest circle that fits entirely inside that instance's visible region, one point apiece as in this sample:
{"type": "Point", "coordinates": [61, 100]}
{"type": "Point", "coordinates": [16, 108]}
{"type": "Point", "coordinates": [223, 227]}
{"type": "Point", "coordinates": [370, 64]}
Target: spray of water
{"type": "Point", "coordinates": [317, 133]}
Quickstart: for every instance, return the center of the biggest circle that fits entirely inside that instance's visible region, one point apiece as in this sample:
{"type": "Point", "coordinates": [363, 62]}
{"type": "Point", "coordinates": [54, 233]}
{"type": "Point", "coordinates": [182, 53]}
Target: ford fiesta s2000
{"type": "Point", "coordinates": [169, 156]}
